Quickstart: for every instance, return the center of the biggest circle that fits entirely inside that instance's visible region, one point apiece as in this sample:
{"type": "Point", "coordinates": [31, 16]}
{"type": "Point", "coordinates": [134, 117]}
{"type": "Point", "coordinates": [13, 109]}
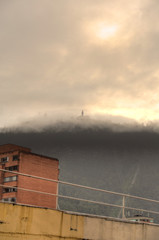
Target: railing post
{"type": "Point", "coordinates": [123, 208]}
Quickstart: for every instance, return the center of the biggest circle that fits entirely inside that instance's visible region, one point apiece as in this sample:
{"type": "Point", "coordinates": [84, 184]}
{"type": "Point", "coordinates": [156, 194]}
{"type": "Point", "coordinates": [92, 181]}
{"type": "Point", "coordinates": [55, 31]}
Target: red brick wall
{"type": "Point", "coordinates": [5, 174]}
{"type": "Point", "coordinates": [33, 164]}
{"type": "Point", "coordinates": [1, 181]}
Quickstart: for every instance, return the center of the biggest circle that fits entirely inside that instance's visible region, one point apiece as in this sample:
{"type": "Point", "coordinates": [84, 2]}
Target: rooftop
{"type": "Point", "coordinates": [12, 147]}
{"type": "Point", "coordinates": [6, 148]}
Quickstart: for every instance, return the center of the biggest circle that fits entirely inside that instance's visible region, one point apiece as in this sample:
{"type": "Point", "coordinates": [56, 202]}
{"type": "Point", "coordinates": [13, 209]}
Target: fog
{"type": "Point", "coordinates": [59, 57]}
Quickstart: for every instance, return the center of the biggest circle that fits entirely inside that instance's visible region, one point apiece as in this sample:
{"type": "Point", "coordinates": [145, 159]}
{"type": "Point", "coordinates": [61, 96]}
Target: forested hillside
{"type": "Point", "coordinates": [99, 157]}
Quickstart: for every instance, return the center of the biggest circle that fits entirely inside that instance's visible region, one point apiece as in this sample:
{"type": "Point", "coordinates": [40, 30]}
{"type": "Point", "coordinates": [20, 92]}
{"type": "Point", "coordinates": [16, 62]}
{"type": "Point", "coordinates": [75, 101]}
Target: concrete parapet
{"type": "Point", "coordinates": [30, 223]}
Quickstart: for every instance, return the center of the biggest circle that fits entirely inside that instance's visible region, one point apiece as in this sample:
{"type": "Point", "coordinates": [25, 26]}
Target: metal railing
{"type": "Point", "coordinates": [123, 207]}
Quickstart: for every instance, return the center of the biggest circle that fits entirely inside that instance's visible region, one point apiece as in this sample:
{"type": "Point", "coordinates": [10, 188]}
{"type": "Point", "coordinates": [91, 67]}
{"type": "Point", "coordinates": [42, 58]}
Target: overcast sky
{"type": "Point", "coordinates": [58, 57]}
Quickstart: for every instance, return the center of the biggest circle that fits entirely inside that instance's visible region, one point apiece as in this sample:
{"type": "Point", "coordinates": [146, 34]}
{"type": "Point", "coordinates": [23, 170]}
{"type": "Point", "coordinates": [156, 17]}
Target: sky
{"type": "Point", "coordinates": [60, 57]}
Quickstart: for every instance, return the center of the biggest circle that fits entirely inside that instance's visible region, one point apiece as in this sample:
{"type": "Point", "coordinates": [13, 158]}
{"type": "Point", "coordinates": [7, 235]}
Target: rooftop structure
{"type": "Point", "coordinates": [141, 219]}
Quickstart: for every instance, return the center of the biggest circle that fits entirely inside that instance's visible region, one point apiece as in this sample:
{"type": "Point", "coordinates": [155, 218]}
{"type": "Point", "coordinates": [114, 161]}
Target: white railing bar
{"type": "Point", "coordinates": [82, 186]}
{"type": "Point", "coordinates": [79, 199]}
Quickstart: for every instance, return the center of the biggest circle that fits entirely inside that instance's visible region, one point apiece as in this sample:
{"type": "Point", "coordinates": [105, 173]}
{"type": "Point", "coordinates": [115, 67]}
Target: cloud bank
{"type": "Point", "coordinates": [59, 57]}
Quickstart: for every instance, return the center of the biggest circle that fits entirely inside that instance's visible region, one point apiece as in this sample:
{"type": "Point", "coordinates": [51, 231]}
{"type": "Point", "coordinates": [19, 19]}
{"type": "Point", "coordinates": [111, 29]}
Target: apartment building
{"type": "Point", "coordinates": [16, 159]}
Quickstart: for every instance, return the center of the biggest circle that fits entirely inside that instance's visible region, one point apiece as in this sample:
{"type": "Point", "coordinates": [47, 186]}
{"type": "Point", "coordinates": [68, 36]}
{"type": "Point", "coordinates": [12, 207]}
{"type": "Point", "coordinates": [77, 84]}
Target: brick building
{"type": "Point", "coordinates": [20, 159]}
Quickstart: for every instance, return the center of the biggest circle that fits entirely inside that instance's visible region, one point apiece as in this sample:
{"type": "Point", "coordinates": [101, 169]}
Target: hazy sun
{"type": "Point", "coordinates": [105, 32]}
{"type": "Point", "coordinates": [99, 31]}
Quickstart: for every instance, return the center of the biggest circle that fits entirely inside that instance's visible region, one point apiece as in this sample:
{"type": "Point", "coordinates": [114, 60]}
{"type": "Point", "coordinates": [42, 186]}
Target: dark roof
{"type": "Point", "coordinates": [6, 148]}
{"type": "Point", "coordinates": [39, 155]}
{"type": "Point", "coordinates": [12, 147]}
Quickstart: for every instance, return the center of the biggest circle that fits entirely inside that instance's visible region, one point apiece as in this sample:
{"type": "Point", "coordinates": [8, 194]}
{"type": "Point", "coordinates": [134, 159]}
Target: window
{"type": "Point", "coordinates": [4, 159]}
{"type": "Point", "coordinates": [7, 190]}
{"type": "Point", "coordinates": [10, 179]}
{"type": "Point", "coordinates": [15, 157]}
{"type": "Point", "coordinates": [12, 168]}
{"type": "Point", "coordinates": [13, 199]}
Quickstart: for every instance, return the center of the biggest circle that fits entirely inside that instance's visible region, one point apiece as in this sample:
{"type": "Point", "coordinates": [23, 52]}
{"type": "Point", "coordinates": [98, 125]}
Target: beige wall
{"type": "Point", "coordinates": [28, 223]}
{"type": "Point", "coordinates": [102, 229]}
{"type": "Point", "coordinates": [21, 222]}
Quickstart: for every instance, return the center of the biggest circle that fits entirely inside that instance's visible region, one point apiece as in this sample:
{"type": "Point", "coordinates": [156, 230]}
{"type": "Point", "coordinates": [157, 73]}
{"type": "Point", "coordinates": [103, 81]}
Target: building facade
{"type": "Point", "coordinates": [16, 159]}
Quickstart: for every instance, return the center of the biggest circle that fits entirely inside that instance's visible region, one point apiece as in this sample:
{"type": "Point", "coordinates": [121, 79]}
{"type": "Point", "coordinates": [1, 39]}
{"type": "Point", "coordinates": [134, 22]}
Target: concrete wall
{"type": "Point", "coordinates": [21, 222]}
{"type": "Point", "coordinates": [28, 223]}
